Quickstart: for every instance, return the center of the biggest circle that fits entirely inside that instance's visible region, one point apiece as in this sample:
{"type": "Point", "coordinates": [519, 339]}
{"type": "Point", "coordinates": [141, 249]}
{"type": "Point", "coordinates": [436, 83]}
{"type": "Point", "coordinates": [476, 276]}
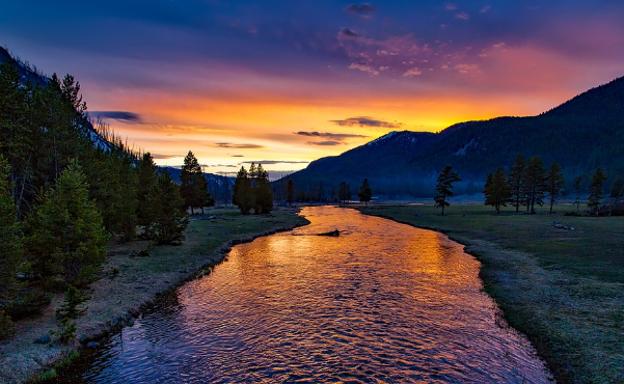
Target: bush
{"type": "Point", "coordinates": [6, 326]}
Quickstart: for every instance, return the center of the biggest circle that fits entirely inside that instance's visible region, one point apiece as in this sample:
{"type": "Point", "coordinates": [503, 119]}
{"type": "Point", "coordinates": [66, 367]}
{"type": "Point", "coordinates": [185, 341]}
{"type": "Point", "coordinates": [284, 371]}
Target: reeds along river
{"type": "Point", "coordinates": [384, 302]}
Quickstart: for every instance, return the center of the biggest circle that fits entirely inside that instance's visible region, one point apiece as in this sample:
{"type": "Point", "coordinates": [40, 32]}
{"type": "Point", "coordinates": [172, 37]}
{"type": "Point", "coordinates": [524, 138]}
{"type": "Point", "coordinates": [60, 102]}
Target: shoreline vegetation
{"type": "Point", "coordinates": [134, 275]}
{"type": "Point", "coordinates": [557, 279]}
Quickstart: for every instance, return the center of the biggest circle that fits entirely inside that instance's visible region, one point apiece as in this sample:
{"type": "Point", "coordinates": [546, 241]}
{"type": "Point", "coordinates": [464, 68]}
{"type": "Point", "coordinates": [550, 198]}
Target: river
{"type": "Point", "coordinates": [383, 302]}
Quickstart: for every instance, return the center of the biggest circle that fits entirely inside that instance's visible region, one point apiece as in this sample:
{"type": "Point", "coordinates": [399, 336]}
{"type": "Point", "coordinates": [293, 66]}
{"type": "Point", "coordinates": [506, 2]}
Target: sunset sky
{"type": "Point", "coordinates": [287, 82]}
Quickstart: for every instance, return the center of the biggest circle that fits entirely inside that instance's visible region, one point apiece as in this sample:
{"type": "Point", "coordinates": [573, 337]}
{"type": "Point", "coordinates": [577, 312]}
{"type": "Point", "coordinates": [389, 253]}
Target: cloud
{"type": "Point", "coordinates": [329, 135]}
{"type": "Point", "coordinates": [325, 142]}
{"type": "Point", "coordinates": [485, 9]}
{"type": "Point", "coordinates": [450, 7]}
{"type": "Point", "coordinates": [462, 16]}
{"type": "Point", "coordinates": [364, 68]}
{"type": "Point", "coordinates": [365, 121]}
{"type": "Point", "coordinates": [363, 10]}
{"type": "Point", "coordinates": [412, 72]}
{"type": "Point", "coordinates": [159, 156]}
{"type": "Point", "coordinates": [348, 33]}
{"type": "Point", "coordinates": [238, 145]}
{"type": "Point", "coordinates": [115, 115]}
{"type": "Point", "coordinates": [270, 162]}
{"type": "Point", "coordinates": [238, 156]}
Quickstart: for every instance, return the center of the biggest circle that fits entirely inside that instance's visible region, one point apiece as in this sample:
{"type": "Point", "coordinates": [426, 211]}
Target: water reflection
{"type": "Point", "coordinates": [384, 302]}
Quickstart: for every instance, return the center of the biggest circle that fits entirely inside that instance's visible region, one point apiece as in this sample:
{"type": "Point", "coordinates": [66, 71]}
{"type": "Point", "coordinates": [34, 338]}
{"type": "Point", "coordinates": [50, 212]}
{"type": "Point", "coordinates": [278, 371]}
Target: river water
{"type": "Point", "coordinates": [382, 303]}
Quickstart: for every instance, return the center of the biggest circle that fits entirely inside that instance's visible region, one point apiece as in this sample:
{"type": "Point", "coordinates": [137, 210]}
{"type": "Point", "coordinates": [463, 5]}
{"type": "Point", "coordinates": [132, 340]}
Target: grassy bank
{"type": "Point", "coordinates": [129, 282]}
{"type": "Point", "coordinates": [563, 288]}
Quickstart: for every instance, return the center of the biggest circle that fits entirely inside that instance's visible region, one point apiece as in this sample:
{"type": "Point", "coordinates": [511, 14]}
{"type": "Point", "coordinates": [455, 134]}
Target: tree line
{"type": "Point", "coordinates": [343, 195]}
{"type": "Point", "coordinates": [62, 198]}
{"type": "Point", "coordinates": [529, 184]}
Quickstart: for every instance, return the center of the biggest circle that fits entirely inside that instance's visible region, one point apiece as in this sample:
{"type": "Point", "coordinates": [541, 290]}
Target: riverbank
{"type": "Point", "coordinates": [562, 287]}
{"type": "Point", "coordinates": [129, 283]}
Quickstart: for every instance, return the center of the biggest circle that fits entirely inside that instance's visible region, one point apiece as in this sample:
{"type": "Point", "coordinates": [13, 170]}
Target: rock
{"type": "Point", "coordinates": [334, 233]}
{"type": "Point", "coordinates": [92, 344]}
{"type": "Point", "coordinates": [45, 339]}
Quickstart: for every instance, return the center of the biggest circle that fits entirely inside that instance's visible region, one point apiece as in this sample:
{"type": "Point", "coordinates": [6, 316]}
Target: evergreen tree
{"type": "Point", "coordinates": [534, 183]}
{"type": "Point", "coordinates": [554, 184]}
{"type": "Point", "coordinates": [497, 191]}
{"type": "Point", "coordinates": [290, 192]}
{"type": "Point", "coordinates": [204, 198]}
{"type": "Point", "coordinates": [578, 189]}
{"type": "Point", "coordinates": [171, 220]}
{"type": "Point", "coordinates": [190, 187]}
{"type": "Point", "coordinates": [516, 182]}
{"type": "Point", "coordinates": [617, 192]}
{"type": "Point", "coordinates": [595, 191]}
{"type": "Point", "coordinates": [147, 184]}
{"type": "Point", "coordinates": [66, 231]}
{"type": "Point", "coordinates": [365, 193]}
{"type": "Point", "coordinates": [10, 238]}
{"type": "Point", "coordinates": [262, 191]}
{"type": "Point", "coordinates": [242, 192]}
{"type": "Point", "coordinates": [444, 187]}
{"type": "Point", "coordinates": [344, 193]}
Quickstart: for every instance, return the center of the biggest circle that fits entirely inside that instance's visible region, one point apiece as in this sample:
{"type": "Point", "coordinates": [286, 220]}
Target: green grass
{"type": "Point", "coordinates": [564, 289]}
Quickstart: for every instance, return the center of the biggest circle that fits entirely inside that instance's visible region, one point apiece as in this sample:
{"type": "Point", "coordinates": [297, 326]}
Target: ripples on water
{"type": "Point", "coordinates": [384, 302]}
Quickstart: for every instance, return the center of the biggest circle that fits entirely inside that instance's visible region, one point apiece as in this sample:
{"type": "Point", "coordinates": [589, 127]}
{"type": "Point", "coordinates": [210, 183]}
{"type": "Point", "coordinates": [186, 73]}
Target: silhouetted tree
{"type": "Point", "coordinates": [534, 183]}
{"type": "Point", "coordinates": [242, 192]}
{"type": "Point", "coordinates": [365, 193]}
{"type": "Point", "coordinates": [290, 192]}
{"type": "Point", "coordinates": [516, 182]}
{"type": "Point", "coordinates": [595, 191]}
{"type": "Point", "coordinates": [497, 191]}
{"type": "Point", "coordinates": [344, 193]}
{"type": "Point", "coordinates": [617, 192]}
{"type": "Point", "coordinates": [262, 191]}
{"type": "Point", "coordinates": [191, 185]}
{"type": "Point", "coordinates": [444, 187]}
{"type": "Point", "coordinates": [554, 184]}
{"type": "Point", "coordinates": [578, 189]}
{"type": "Point", "coordinates": [147, 184]}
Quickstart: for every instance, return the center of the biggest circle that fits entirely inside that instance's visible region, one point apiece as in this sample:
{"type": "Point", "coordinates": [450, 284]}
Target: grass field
{"type": "Point", "coordinates": [563, 288]}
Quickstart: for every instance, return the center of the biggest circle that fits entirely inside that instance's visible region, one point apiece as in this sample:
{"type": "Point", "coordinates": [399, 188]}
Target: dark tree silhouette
{"type": "Point", "coordinates": [344, 193]}
{"type": "Point", "coordinates": [497, 191]}
{"type": "Point", "coordinates": [554, 184]}
{"type": "Point", "coordinates": [365, 193]}
{"type": "Point", "coordinates": [578, 189]}
{"type": "Point", "coordinates": [444, 187]}
{"type": "Point", "coordinates": [534, 183]}
{"type": "Point", "coordinates": [596, 191]}
{"type": "Point", "coordinates": [516, 181]}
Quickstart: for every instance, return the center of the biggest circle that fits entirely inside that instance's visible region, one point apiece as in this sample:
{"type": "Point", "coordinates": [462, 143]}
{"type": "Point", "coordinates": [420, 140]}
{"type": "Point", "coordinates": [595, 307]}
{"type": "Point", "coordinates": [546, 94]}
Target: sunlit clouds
{"type": "Point", "coordinates": [288, 82]}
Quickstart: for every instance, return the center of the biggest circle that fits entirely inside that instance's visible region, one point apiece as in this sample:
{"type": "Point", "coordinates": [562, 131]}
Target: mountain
{"type": "Point", "coordinates": [581, 134]}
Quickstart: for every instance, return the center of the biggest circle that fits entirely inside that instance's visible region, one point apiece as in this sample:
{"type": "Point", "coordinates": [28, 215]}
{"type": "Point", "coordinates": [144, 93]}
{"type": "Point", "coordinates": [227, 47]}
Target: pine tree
{"type": "Point", "coordinates": [497, 191]}
{"type": "Point", "coordinates": [365, 193]}
{"type": "Point", "coordinates": [534, 183]}
{"type": "Point", "coordinates": [595, 191]}
{"type": "Point", "coordinates": [262, 191]}
{"type": "Point", "coordinates": [189, 187]}
{"type": "Point", "coordinates": [554, 184]}
{"type": "Point", "coordinates": [10, 238]}
{"type": "Point", "coordinates": [171, 220]}
{"type": "Point", "coordinates": [344, 193]}
{"type": "Point", "coordinates": [444, 187]}
{"type": "Point", "coordinates": [242, 192]}
{"type": "Point", "coordinates": [290, 192]}
{"type": "Point", "coordinates": [516, 182]}
{"type": "Point", "coordinates": [578, 189]}
{"type": "Point", "coordinates": [67, 235]}
{"type": "Point", "coordinates": [147, 184]}
{"type": "Point", "coordinates": [617, 192]}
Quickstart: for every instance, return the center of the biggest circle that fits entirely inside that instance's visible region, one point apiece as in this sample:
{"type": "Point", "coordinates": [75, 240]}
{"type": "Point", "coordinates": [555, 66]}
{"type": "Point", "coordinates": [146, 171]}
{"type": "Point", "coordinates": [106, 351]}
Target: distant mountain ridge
{"type": "Point", "coordinates": [581, 134]}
